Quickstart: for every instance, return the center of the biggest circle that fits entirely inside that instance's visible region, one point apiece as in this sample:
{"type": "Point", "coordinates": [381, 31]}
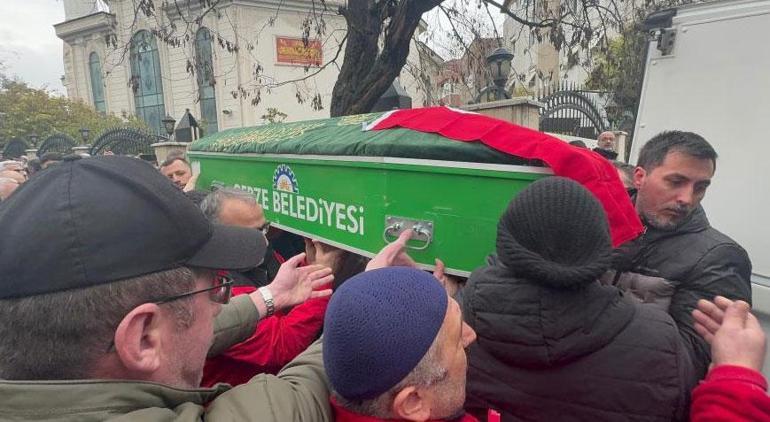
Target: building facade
{"type": "Point", "coordinates": [537, 63]}
{"type": "Point", "coordinates": [239, 63]}
{"type": "Point", "coordinates": [462, 80]}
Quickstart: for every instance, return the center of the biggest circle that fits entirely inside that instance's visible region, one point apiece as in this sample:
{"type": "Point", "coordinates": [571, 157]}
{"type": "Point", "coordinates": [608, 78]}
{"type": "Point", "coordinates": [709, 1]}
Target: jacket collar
{"type": "Point", "coordinates": [344, 415]}
{"type": "Point", "coordinates": [20, 397]}
{"type": "Point", "coordinates": [696, 222]}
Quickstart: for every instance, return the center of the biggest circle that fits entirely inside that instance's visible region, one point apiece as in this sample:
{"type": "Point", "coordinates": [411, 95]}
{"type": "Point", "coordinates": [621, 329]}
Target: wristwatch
{"type": "Point", "coordinates": [268, 298]}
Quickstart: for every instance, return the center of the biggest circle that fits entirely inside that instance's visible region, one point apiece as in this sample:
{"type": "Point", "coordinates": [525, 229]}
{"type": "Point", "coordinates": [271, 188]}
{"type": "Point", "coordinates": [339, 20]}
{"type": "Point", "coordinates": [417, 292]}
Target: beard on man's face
{"type": "Point", "coordinates": [669, 218]}
{"type": "Point", "coordinates": [451, 393]}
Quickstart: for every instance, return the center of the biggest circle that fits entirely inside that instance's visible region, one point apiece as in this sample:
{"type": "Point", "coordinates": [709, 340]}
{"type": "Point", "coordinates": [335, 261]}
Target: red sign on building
{"type": "Point", "coordinates": [293, 51]}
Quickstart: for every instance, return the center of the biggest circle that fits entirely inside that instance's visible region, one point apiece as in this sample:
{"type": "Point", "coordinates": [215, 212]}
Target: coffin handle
{"type": "Point", "coordinates": [421, 231]}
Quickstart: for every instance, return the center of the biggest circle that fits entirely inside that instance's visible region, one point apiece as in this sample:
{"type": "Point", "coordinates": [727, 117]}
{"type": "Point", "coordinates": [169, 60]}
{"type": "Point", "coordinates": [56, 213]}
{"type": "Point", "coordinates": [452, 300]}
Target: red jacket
{"type": "Point", "coordinates": [731, 394]}
{"type": "Point", "coordinates": [343, 415]}
{"type": "Point", "coordinates": [276, 341]}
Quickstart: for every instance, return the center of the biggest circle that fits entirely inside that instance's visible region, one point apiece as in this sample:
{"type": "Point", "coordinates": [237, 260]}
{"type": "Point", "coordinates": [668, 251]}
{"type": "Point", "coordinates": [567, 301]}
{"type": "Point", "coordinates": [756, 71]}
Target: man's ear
{"type": "Point", "coordinates": [410, 404]}
{"type": "Point", "coordinates": [639, 175]}
{"type": "Point", "coordinates": [138, 339]}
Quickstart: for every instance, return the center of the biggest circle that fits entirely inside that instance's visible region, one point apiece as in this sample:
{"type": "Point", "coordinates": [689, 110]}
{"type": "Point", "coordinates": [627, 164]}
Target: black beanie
{"type": "Point", "coordinates": [555, 232]}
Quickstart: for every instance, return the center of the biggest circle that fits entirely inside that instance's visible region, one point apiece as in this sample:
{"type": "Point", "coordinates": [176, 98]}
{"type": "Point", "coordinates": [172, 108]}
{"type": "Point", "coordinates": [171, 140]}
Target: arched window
{"type": "Point", "coordinates": [97, 86]}
{"type": "Point", "coordinates": [146, 80]}
{"type": "Point", "coordinates": [205, 74]}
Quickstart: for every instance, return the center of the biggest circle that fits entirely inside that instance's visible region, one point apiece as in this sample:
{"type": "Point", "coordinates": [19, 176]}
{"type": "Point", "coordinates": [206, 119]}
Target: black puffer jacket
{"type": "Point", "coordinates": [582, 354]}
{"type": "Point", "coordinates": [674, 269]}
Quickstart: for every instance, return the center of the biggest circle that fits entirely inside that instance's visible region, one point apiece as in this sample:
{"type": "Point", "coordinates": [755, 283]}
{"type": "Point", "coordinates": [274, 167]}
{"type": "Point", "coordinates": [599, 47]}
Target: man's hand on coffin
{"type": "Point", "coordinates": [294, 284]}
{"type": "Point", "coordinates": [393, 254]}
{"type": "Point", "coordinates": [320, 253]}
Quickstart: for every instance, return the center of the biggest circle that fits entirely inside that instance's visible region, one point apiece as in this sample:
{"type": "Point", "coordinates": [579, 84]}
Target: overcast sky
{"type": "Point", "coordinates": [29, 47]}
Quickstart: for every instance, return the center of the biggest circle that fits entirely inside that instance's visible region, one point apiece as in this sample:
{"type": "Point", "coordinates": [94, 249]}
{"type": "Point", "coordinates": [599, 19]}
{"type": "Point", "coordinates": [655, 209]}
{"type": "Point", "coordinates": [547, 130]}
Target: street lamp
{"type": "Point", "coordinates": [33, 138]}
{"type": "Point", "coordinates": [169, 123]}
{"type": "Point", "coordinates": [83, 148]}
{"type": "Point", "coordinates": [499, 62]}
{"type": "Point", "coordinates": [612, 109]}
{"type": "Point", "coordinates": [84, 132]}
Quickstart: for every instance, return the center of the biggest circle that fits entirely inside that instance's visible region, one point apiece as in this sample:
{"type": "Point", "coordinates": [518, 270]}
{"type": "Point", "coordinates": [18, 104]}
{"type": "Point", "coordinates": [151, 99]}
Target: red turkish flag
{"type": "Point", "coordinates": [582, 165]}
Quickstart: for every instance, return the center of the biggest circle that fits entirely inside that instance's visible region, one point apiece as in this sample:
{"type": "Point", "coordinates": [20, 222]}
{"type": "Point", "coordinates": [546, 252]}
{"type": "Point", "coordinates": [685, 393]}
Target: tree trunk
{"type": "Point", "coordinates": [367, 72]}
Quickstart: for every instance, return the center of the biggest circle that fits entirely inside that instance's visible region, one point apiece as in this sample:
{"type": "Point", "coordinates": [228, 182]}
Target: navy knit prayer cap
{"type": "Point", "coordinates": [377, 328]}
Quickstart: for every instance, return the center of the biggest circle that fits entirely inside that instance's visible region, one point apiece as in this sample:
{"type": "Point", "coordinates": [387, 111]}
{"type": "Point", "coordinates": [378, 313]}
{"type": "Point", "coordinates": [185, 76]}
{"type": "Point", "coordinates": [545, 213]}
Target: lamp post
{"type": "Point", "coordinates": [169, 123]}
{"type": "Point", "coordinates": [612, 109]}
{"type": "Point", "coordinates": [33, 138]}
{"type": "Point", "coordinates": [166, 146]}
{"type": "Point", "coordinates": [499, 62]}
{"type": "Point", "coordinates": [83, 148]}
{"type": "Point", "coordinates": [84, 132]}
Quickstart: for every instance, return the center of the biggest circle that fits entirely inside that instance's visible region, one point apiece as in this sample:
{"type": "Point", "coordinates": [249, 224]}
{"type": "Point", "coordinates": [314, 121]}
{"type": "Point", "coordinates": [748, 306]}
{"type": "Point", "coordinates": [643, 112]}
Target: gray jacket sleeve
{"type": "Point", "coordinates": [234, 324]}
{"type": "Point", "coordinates": [300, 392]}
{"type": "Point", "coordinates": [725, 270]}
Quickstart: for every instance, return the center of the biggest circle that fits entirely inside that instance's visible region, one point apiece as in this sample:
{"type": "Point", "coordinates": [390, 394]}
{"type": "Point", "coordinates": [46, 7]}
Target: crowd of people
{"type": "Point", "coordinates": [127, 294]}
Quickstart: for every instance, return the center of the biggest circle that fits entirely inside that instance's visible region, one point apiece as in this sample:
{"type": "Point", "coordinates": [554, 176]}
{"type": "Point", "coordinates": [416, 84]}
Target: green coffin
{"type": "Point", "coordinates": [329, 180]}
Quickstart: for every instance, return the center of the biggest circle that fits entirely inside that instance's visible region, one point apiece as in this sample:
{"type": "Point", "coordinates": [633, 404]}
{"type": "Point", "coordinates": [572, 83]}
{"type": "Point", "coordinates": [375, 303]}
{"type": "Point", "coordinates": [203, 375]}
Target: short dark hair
{"type": "Point", "coordinates": [578, 143]}
{"type": "Point", "coordinates": [654, 152]}
{"type": "Point", "coordinates": [59, 336]}
{"type": "Point", "coordinates": [170, 160]}
{"type": "Point", "coordinates": [350, 265]}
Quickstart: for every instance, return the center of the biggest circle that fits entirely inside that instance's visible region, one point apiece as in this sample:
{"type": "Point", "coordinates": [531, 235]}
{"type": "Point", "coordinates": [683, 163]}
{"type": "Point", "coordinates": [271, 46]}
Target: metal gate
{"type": "Point", "coordinates": [571, 112]}
{"type": "Point", "coordinates": [14, 149]}
{"type": "Point", "coordinates": [126, 141]}
{"type": "Point", "coordinates": [59, 142]}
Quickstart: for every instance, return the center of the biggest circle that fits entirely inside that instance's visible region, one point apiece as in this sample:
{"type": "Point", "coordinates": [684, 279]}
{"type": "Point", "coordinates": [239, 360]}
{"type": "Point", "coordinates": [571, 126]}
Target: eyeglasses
{"type": "Point", "coordinates": [219, 293]}
{"type": "Point", "coordinates": [265, 228]}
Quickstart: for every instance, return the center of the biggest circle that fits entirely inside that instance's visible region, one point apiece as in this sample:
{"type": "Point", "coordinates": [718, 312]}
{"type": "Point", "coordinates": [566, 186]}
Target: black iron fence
{"type": "Point", "coordinates": [59, 142]}
{"type": "Point", "coordinates": [14, 148]}
{"type": "Point", "coordinates": [571, 110]}
{"type": "Point", "coordinates": [126, 141]}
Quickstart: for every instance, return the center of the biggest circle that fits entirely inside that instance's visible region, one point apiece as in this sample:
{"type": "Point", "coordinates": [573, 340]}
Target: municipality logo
{"type": "Point", "coordinates": [284, 179]}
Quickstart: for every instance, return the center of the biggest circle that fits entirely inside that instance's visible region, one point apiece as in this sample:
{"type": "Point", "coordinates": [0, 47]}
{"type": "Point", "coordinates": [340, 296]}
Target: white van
{"type": "Point", "coordinates": [708, 71]}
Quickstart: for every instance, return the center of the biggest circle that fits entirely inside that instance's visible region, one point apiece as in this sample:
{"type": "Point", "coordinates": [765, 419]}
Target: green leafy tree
{"type": "Point", "coordinates": [25, 110]}
{"type": "Point", "coordinates": [619, 69]}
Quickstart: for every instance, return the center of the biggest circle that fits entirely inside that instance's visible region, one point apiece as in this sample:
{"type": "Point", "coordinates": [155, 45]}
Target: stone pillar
{"type": "Point", "coordinates": [163, 149]}
{"type": "Point", "coordinates": [82, 149]}
{"type": "Point", "coordinates": [520, 110]}
{"type": "Point", "coordinates": [31, 153]}
{"type": "Point", "coordinates": [621, 145]}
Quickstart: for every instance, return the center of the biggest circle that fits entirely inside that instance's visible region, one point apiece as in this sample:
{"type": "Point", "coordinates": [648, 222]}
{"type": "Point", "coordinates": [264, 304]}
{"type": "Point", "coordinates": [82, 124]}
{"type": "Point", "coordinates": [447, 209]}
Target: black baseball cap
{"type": "Point", "coordinates": [97, 220]}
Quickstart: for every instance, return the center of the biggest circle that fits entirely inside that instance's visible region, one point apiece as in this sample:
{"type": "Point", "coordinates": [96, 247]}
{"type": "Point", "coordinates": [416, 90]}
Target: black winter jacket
{"type": "Point", "coordinates": [674, 269]}
{"type": "Point", "coordinates": [585, 354]}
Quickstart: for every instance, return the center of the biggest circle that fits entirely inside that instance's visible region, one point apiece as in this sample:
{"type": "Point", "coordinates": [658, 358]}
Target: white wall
{"type": "Point", "coordinates": [248, 23]}
{"type": "Point", "coordinates": [715, 83]}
